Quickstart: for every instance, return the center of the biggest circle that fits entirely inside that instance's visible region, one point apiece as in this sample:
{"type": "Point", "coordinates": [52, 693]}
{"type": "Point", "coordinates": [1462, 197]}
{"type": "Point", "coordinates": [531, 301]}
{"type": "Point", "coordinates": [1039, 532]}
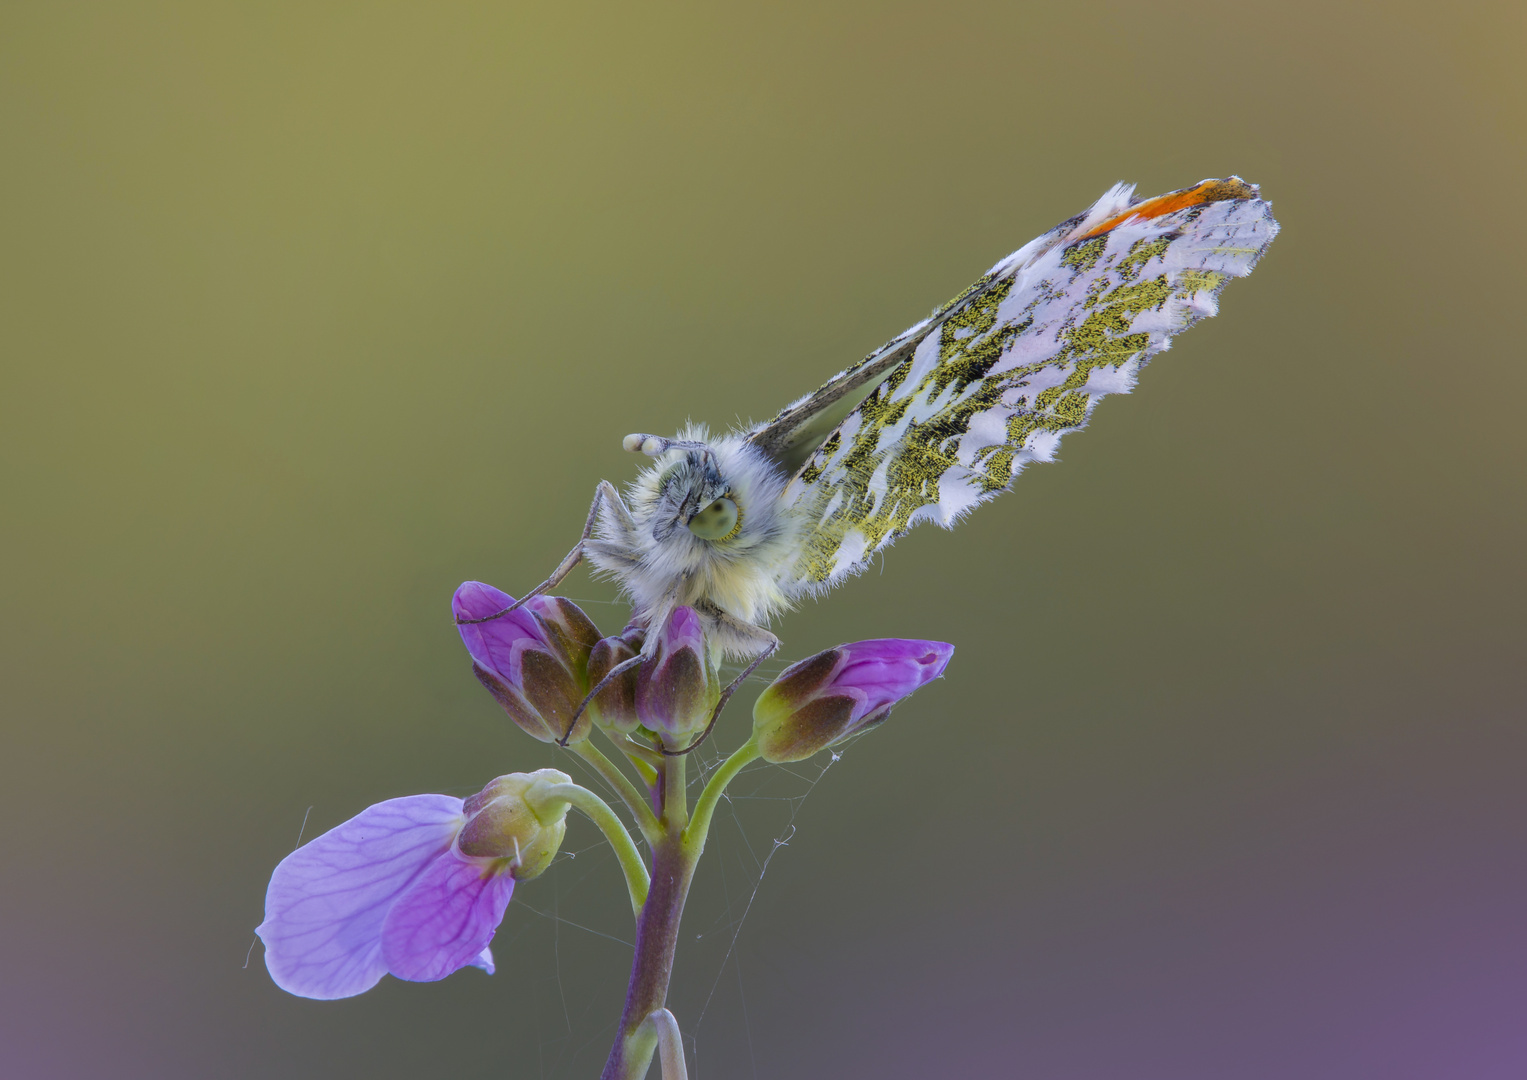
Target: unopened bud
{"type": "Point", "coordinates": [678, 686]}
{"type": "Point", "coordinates": [825, 698]}
{"type": "Point", "coordinates": [567, 627]}
{"type": "Point", "coordinates": [511, 818]}
{"type": "Point", "coordinates": [614, 707]}
{"type": "Point", "coordinates": [534, 661]}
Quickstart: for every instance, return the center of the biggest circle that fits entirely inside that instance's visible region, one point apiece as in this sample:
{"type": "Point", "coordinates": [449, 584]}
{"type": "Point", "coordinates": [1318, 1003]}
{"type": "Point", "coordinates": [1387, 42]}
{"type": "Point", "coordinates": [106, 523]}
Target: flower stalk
{"type": "Point", "coordinates": [415, 887]}
{"type": "Point", "coordinates": [657, 937]}
{"type": "Point", "coordinates": [670, 1044]}
{"type": "Point", "coordinates": [699, 824]}
{"type": "Point", "coordinates": [598, 811]}
{"type": "Point", "coordinates": [634, 800]}
{"type": "Point", "coordinates": [813, 705]}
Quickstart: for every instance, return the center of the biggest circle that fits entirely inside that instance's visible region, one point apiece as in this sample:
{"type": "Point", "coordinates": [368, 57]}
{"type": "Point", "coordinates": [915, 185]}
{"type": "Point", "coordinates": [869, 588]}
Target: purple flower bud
{"type": "Point", "coordinates": [534, 661]}
{"type": "Point", "coordinates": [825, 698]}
{"type": "Point", "coordinates": [677, 687]}
{"type": "Point", "coordinates": [614, 707]}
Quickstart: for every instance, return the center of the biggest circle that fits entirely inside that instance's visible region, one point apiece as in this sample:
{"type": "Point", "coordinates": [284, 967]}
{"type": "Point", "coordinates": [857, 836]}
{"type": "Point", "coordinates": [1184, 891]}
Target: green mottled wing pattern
{"type": "Point", "coordinates": [948, 413]}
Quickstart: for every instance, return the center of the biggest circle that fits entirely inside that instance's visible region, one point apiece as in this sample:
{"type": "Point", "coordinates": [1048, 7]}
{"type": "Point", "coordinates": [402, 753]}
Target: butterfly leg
{"type": "Point", "coordinates": [670, 602]}
{"type": "Point", "coordinates": [623, 517]}
{"type": "Point", "coordinates": [619, 669]}
{"type": "Point", "coordinates": [604, 494]}
{"type": "Point", "coordinates": [770, 645]}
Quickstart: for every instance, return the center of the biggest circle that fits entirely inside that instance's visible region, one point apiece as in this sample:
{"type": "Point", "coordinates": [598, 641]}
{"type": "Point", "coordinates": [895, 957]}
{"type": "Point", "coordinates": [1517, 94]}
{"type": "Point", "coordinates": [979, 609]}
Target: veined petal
{"type": "Point", "coordinates": [327, 900]}
{"type": "Point", "coordinates": [496, 644]}
{"type": "Point", "coordinates": [446, 918]}
{"type": "Point", "coordinates": [889, 669]}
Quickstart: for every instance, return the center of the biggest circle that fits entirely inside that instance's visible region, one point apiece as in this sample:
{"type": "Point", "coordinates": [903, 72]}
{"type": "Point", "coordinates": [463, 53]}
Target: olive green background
{"type": "Point", "coordinates": [310, 312]}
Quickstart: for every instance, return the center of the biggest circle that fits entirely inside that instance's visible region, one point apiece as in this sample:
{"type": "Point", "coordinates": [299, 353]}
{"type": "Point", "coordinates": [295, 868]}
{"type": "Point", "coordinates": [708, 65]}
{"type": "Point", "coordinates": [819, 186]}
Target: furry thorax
{"type": "Point", "coordinates": [643, 542]}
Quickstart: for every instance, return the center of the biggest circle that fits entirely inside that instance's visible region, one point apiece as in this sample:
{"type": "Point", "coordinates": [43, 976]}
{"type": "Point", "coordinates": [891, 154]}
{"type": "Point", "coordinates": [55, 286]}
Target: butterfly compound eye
{"type": "Point", "coordinates": [721, 520]}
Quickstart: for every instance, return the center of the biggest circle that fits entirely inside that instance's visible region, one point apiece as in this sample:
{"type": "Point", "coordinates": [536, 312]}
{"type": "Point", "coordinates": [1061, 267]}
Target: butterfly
{"type": "Point", "coordinates": [935, 422]}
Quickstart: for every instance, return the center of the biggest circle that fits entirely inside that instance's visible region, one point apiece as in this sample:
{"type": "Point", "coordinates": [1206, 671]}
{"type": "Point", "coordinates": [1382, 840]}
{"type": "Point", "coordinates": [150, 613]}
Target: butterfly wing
{"type": "Point", "coordinates": [942, 418]}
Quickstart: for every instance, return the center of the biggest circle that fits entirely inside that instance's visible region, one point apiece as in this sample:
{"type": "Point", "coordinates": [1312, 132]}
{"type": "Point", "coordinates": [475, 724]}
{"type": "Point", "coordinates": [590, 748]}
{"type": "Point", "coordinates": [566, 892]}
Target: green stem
{"type": "Point", "coordinates": [699, 824]}
{"type": "Point", "coordinates": [635, 802]}
{"type": "Point", "coordinates": [643, 759]}
{"type": "Point", "coordinates": [598, 811]}
{"type": "Point", "coordinates": [639, 750]}
{"type": "Point", "coordinates": [675, 797]}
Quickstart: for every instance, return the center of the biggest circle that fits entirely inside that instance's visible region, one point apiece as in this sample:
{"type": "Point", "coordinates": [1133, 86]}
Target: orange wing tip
{"type": "Point", "coordinates": [1207, 191]}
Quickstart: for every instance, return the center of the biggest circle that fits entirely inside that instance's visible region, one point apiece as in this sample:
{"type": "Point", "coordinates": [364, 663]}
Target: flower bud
{"type": "Point", "coordinates": [534, 661]}
{"type": "Point", "coordinates": [825, 698]}
{"type": "Point", "coordinates": [678, 686]}
{"type": "Point", "coordinates": [512, 818]}
{"type": "Point", "coordinates": [614, 707]}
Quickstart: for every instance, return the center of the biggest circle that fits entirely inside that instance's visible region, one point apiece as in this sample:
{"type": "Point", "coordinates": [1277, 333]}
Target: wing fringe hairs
{"type": "Point", "coordinates": [942, 417]}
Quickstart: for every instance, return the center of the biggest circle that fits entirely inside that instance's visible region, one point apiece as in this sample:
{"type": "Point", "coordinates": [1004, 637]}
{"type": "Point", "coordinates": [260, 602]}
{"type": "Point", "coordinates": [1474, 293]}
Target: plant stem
{"type": "Point", "coordinates": [598, 811]}
{"type": "Point", "coordinates": [699, 824]}
{"type": "Point", "coordinates": [674, 859]}
{"type": "Point", "coordinates": [657, 935]}
{"type": "Point", "coordinates": [675, 796]}
{"type": "Point", "coordinates": [670, 1045]}
{"type": "Point", "coordinates": [635, 802]}
{"type": "Point", "coordinates": [639, 752]}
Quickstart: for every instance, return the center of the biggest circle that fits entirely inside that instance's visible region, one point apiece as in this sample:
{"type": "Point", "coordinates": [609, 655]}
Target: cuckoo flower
{"type": "Point", "coordinates": [678, 685]}
{"type": "Point", "coordinates": [413, 887]}
{"type": "Point", "coordinates": [534, 661]}
{"type": "Point", "coordinates": [825, 698]}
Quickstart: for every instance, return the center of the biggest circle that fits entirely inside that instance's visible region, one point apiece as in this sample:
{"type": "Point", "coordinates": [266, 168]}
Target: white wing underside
{"type": "Point", "coordinates": [1003, 372]}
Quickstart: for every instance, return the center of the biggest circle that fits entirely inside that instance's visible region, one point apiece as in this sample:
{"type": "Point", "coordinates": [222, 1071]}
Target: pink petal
{"type": "Point", "coordinates": [889, 669]}
{"type": "Point", "coordinates": [683, 630]}
{"type": "Point", "coordinates": [446, 918]}
{"type": "Point", "coordinates": [495, 645]}
{"type": "Point", "coordinates": [474, 599]}
{"type": "Point", "coordinates": [327, 900]}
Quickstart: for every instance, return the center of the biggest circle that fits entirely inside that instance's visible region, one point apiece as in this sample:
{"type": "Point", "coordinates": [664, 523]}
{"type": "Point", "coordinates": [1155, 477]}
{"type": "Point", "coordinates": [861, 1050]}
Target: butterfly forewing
{"type": "Point", "coordinates": [960, 403]}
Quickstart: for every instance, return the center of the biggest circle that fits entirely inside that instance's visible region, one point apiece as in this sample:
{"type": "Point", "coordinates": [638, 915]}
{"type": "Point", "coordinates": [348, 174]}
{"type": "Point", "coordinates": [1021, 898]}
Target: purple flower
{"type": "Point", "coordinates": [534, 661]}
{"type": "Point", "coordinates": [677, 687]}
{"type": "Point", "coordinates": [413, 887]}
{"type": "Point", "coordinates": [825, 698]}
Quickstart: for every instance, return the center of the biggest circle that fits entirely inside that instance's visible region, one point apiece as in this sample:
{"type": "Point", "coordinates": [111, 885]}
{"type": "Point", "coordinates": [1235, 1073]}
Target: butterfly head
{"type": "Point", "coordinates": [691, 490]}
{"type": "Point", "coordinates": [705, 525]}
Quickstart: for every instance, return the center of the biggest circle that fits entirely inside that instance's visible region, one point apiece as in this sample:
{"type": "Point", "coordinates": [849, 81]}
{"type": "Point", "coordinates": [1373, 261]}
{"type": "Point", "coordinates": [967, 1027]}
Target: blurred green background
{"type": "Point", "coordinates": [312, 311]}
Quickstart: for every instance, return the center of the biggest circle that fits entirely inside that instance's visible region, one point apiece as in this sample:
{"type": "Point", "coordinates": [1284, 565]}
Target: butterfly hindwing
{"type": "Point", "coordinates": [944, 416]}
